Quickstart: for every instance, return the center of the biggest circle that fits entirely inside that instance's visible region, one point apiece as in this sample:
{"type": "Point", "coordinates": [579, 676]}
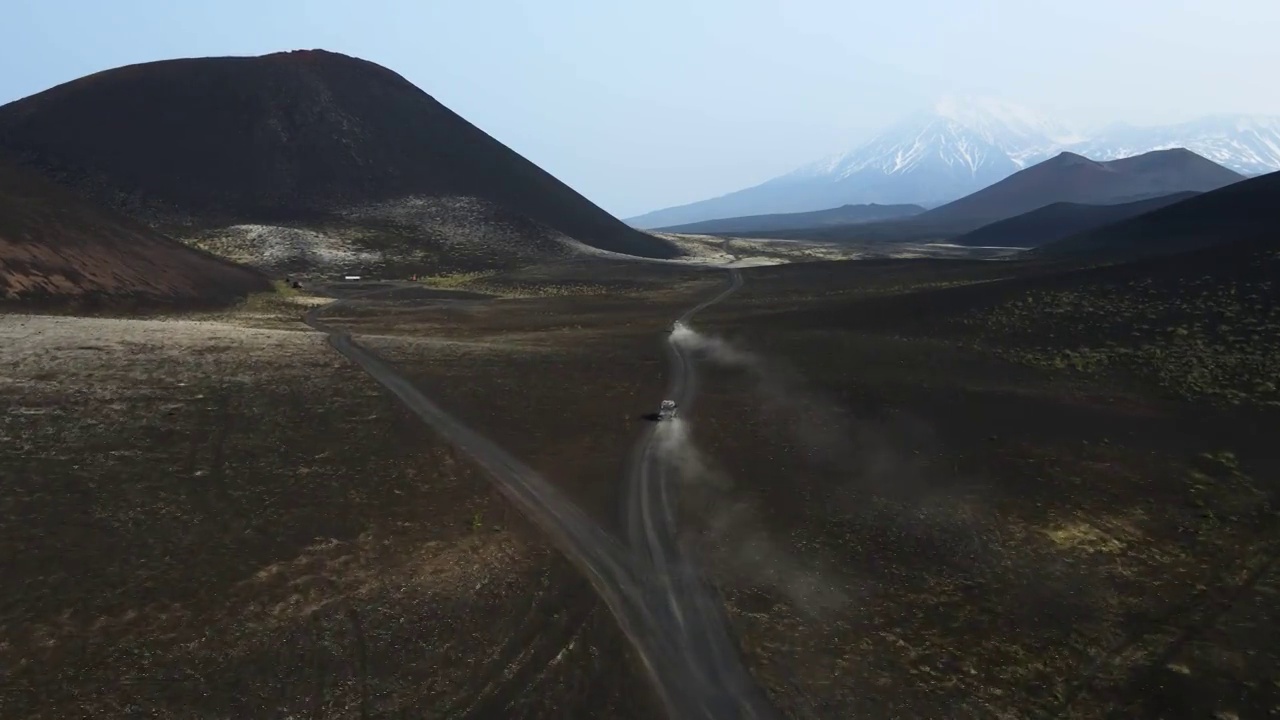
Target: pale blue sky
{"type": "Point", "coordinates": [648, 103]}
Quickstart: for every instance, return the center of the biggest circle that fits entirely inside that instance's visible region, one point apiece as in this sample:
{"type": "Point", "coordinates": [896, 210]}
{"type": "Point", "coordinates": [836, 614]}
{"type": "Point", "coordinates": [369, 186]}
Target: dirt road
{"type": "Point", "coordinates": [683, 599]}
{"type": "Point", "coordinates": [662, 602]}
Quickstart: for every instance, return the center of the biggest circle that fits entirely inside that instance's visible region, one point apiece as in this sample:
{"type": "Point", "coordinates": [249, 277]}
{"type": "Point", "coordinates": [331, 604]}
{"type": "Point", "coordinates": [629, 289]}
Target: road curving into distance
{"type": "Point", "coordinates": [694, 613]}
{"type": "Point", "coordinates": [662, 602]}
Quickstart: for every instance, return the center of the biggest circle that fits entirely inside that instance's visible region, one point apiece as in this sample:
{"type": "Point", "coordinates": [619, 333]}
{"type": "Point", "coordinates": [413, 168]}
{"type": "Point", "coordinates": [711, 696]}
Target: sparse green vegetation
{"type": "Point", "coordinates": [1205, 338]}
{"type": "Point", "coordinates": [528, 289]}
{"type": "Point", "coordinates": [456, 281]}
{"type": "Point", "coordinates": [1035, 544]}
{"type": "Point", "coordinates": [283, 289]}
{"type": "Point", "coordinates": [281, 306]}
{"type": "Point", "coordinates": [903, 288]}
{"type": "Point", "coordinates": [491, 283]}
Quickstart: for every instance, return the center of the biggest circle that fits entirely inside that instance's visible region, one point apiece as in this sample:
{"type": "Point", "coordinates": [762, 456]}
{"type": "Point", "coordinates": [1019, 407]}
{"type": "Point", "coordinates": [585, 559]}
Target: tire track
{"type": "Point", "coordinates": [695, 612]}
{"type": "Point", "coordinates": [672, 618]}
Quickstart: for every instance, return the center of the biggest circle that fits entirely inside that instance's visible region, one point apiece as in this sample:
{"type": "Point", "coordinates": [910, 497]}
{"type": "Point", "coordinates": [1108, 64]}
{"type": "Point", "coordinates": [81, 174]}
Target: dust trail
{"type": "Point", "coordinates": [827, 437]}
{"type": "Point", "coordinates": [882, 456]}
{"type": "Point", "coordinates": [733, 531]}
{"type": "Point", "coordinates": [676, 450]}
{"type": "Point", "coordinates": [713, 348]}
{"type": "Point", "coordinates": [877, 472]}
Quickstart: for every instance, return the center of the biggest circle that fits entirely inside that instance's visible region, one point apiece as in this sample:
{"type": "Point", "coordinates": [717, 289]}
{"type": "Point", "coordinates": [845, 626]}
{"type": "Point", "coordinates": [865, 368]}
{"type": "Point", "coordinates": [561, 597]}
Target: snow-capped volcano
{"type": "Point", "coordinates": [956, 147]}
{"type": "Point", "coordinates": [963, 128]}
{"type": "Point", "coordinates": [963, 144]}
{"type": "Point", "coordinates": [973, 134]}
{"type": "Point", "coordinates": [997, 118]}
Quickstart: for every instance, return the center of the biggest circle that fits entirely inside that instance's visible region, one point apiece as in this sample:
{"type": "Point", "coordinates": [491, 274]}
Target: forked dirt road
{"type": "Point", "coordinates": [662, 601]}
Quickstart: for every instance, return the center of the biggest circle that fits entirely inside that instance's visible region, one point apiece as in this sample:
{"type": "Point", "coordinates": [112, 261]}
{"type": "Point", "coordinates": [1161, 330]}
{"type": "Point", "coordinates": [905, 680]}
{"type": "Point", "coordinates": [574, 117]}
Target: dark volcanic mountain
{"type": "Point", "coordinates": [844, 215]}
{"type": "Point", "coordinates": [1244, 212]}
{"type": "Point", "coordinates": [59, 249]}
{"type": "Point", "coordinates": [1072, 178]}
{"type": "Point", "coordinates": [1060, 220]}
{"type": "Point", "coordinates": [282, 138]}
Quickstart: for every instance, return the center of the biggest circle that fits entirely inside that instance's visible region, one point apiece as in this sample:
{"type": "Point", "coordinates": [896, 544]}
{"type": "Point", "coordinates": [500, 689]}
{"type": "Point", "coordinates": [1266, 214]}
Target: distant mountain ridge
{"type": "Point", "coordinates": [1069, 177]}
{"type": "Point", "coordinates": [962, 145]}
{"type": "Point", "coordinates": [930, 157]}
{"type": "Point", "coordinates": [844, 215]}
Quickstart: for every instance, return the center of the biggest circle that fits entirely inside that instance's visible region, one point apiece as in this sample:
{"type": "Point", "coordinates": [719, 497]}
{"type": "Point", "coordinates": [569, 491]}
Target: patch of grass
{"type": "Point", "coordinates": [1084, 536]}
{"type": "Point", "coordinates": [281, 307]}
{"type": "Point", "coordinates": [548, 289]}
{"type": "Point", "coordinates": [456, 281]}
{"type": "Point", "coordinates": [283, 289]}
{"type": "Point", "coordinates": [1202, 339]}
{"type": "Point", "coordinates": [904, 288]}
{"type": "Point", "coordinates": [491, 282]}
{"type": "Point", "coordinates": [1219, 491]}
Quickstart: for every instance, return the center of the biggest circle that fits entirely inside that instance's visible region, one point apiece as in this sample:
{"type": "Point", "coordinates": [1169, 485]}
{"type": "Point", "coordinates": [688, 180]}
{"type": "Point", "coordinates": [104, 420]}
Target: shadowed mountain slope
{"type": "Point", "coordinates": [1245, 212]}
{"type": "Point", "coordinates": [1060, 220]}
{"type": "Point", "coordinates": [281, 138]}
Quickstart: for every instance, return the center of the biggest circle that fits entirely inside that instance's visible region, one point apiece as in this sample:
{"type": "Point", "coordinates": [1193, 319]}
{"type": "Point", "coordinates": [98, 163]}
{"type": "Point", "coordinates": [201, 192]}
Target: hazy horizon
{"type": "Point", "coordinates": [660, 103]}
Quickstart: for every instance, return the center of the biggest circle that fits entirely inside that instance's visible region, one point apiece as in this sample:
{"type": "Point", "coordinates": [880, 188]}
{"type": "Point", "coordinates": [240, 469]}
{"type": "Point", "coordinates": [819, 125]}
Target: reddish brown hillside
{"type": "Point", "coordinates": [57, 249]}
